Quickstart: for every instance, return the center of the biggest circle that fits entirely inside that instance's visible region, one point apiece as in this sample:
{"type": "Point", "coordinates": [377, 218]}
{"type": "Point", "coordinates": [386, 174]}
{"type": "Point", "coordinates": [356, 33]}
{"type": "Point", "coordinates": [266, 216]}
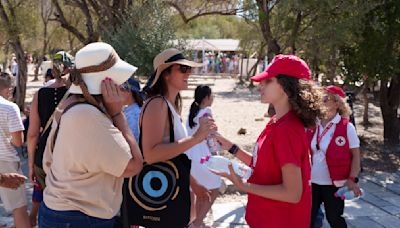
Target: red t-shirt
{"type": "Point", "coordinates": [280, 143]}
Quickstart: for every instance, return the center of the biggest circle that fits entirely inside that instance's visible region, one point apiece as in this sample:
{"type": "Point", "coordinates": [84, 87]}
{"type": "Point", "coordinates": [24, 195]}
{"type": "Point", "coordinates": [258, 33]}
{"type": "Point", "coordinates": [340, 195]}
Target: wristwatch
{"type": "Point", "coordinates": [354, 179]}
{"type": "Point", "coordinates": [234, 149]}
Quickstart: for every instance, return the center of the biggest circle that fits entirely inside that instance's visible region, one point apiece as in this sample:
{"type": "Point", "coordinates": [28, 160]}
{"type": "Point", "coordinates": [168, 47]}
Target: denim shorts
{"type": "Point", "coordinates": [49, 218]}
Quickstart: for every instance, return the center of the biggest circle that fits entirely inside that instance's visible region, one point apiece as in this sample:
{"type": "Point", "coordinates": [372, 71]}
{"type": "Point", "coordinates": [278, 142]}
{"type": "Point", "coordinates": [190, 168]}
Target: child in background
{"type": "Point", "coordinates": [203, 99]}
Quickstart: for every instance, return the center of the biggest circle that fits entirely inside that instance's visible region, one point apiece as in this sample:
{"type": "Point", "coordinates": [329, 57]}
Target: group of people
{"type": "Point", "coordinates": [90, 131]}
{"type": "Point", "coordinates": [222, 63]}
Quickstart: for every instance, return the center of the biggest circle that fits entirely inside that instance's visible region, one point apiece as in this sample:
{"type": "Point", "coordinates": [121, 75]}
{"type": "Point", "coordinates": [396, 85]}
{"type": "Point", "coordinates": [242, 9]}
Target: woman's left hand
{"type": "Point", "coordinates": [232, 176]}
{"type": "Point", "coordinates": [353, 187]}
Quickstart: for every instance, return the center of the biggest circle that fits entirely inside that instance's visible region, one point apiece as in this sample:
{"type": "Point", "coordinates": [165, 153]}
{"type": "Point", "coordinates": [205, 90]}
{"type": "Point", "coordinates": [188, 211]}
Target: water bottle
{"type": "Point", "coordinates": [341, 191]}
{"type": "Point", "coordinates": [345, 194]}
{"type": "Point", "coordinates": [349, 195]}
{"type": "Point", "coordinates": [221, 164]}
{"type": "Point", "coordinates": [212, 143]}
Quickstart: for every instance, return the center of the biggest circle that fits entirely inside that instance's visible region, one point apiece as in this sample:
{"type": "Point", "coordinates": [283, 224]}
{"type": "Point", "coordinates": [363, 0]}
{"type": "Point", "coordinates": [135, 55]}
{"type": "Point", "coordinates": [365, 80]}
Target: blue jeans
{"type": "Point", "coordinates": [49, 218]}
{"type": "Point", "coordinates": [319, 221]}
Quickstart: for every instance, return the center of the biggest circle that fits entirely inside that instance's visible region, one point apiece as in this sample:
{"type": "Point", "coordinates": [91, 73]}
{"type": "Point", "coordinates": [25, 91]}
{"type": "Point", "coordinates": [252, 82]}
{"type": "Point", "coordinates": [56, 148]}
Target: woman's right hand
{"type": "Point", "coordinates": [206, 126]}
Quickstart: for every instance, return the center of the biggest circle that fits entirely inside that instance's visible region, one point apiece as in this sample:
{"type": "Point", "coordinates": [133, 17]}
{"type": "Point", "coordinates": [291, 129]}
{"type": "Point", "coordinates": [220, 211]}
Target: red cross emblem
{"type": "Point", "coordinates": [340, 141]}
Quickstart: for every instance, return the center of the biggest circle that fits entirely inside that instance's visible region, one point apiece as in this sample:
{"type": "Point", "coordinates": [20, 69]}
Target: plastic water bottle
{"type": "Point", "coordinates": [349, 195]}
{"type": "Point", "coordinates": [345, 194]}
{"type": "Point", "coordinates": [221, 164]}
{"type": "Point", "coordinates": [341, 191]}
{"type": "Point", "coordinates": [212, 142]}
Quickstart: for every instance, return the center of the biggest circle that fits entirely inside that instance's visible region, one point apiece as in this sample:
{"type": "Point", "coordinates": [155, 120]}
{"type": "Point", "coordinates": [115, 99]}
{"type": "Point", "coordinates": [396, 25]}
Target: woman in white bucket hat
{"type": "Point", "coordinates": [90, 147]}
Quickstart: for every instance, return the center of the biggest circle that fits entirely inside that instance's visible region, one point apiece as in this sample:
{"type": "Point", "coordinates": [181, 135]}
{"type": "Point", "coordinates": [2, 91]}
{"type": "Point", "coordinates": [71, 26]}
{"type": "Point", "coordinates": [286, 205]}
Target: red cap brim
{"type": "Point", "coordinates": [261, 76]}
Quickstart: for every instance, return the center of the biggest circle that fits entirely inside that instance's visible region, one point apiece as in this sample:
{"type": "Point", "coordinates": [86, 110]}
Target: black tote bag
{"type": "Point", "coordinates": [159, 195]}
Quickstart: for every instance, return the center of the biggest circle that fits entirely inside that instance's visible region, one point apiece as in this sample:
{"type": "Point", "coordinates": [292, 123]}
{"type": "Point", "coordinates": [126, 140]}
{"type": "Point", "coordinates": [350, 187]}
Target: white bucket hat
{"type": "Point", "coordinates": [168, 58]}
{"type": "Point", "coordinates": [95, 62]}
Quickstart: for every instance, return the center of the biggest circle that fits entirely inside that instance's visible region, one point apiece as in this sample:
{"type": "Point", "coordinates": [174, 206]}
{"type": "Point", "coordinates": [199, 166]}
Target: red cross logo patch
{"type": "Point", "coordinates": [340, 141]}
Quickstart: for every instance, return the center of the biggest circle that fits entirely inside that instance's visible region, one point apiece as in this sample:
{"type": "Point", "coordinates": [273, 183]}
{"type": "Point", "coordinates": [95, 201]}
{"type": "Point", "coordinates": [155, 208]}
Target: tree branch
{"type": "Point", "coordinates": [200, 12]}
{"type": "Point", "coordinates": [65, 24]}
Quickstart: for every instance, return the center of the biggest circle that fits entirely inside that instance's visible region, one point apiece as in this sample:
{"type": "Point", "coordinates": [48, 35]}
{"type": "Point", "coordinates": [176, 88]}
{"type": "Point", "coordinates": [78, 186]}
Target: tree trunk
{"type": "Point", "coordinates": [6, 51]}
{"type": "Point", "coordinates": [263, 18]}
{"type": "Point", "coordinates": [366, 102]}
{"type": "Point", "coordinates": [15, 41]}
{"type": "Point", "coordinates": [247, 66]}
{"type": "Point", "coordinates": [241, 70]}
{"type": "Point", "coordinates": [295, 32]}
{"type": "Point", "coordinates": [331, 68]}
{"type": "Point", "coordinates": [22, 74]}
{"type": "Point", "coordinates": [389, 102]}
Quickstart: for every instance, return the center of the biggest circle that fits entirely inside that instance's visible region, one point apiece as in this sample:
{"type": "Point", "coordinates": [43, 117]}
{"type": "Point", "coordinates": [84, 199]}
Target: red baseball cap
{"type": "Point", "coordinates": [289, 65]}
{"type": "Point", "coordinates": [335, 90]}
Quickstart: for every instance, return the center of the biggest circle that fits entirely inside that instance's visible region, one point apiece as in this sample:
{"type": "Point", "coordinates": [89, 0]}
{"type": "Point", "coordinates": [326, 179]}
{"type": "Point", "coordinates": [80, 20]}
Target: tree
{"type": "Point", "coordinates": [46, 10]}
{"type": "Point", "coordinates": [10, 21]}
{"type": "Point", "coordinates": [377, 56]}
{"type": "Point", "coordinates": [135, 42]}
{"type": "Point", "coordinates": [98, 16]}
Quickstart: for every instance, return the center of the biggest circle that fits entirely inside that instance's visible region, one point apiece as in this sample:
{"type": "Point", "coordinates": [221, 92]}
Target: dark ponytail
{"type": "Point", "coordinates": [201, 92]}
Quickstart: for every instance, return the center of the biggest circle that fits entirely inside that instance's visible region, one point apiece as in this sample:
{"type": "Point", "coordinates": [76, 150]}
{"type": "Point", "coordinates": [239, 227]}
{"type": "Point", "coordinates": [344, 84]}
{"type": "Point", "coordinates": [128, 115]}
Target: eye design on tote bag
{"type": "Point", "coordinates": [155, 187]}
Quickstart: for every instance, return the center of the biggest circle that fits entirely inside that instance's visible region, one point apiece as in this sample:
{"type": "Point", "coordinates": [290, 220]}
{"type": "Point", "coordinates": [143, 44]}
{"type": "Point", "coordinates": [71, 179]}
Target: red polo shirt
{"type": "Point", "coordinates": [281, 142]}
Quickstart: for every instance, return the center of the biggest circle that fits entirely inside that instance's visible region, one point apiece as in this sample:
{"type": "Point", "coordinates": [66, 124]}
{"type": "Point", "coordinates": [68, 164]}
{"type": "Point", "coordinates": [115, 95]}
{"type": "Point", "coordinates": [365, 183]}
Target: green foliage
{"type": "Point", "coordinates": [145, 33]}
{"type": "Point", "coordinates": [376, 53]}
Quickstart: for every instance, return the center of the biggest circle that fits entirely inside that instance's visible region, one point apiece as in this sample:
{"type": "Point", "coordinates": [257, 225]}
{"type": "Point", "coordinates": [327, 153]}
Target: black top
{"type": "Point", "coordinates": [48, 99]}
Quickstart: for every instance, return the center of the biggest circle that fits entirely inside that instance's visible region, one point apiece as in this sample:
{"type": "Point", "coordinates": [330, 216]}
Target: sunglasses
{"type": "Point", "coordinates": [185, 69]}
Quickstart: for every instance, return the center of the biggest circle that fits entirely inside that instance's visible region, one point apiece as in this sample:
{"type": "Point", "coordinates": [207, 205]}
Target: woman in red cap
{"type": "Point", "coordinates": [279, 191]}
{"type": "Point", "coordinates": [335, 157]}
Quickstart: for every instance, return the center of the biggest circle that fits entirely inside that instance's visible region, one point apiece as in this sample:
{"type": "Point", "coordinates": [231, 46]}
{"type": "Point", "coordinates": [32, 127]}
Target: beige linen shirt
{"type": "Point", "coordinates": [84, 169]}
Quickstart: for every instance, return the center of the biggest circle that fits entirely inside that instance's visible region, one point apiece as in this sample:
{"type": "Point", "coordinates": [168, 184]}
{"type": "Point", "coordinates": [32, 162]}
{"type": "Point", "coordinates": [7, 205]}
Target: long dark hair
{"type": "Point", "coordinates": [161, 88]}
{"type": "Point", "coordinates": [201, 92]}
{"type": "Point", "coordinates": [305, 98]}
{"type": "Point", "coordinates": [138, 99]}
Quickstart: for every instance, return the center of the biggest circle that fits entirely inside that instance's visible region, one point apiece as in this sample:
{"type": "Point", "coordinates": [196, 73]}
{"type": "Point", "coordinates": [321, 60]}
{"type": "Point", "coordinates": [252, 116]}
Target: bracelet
{"type": "Point", "coordinates": [234, 149]}
{"type": "Point", "coordinates": [354, 179]}
{"type": "Point", "coordinates": [115, 115]}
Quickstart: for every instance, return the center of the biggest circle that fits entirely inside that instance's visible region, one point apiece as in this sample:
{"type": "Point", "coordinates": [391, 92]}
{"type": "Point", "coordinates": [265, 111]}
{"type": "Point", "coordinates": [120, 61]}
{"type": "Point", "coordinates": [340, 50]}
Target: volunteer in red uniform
{"type": "Point", "coordinates": [279, 191]}
{"type": "Point", "coordinates": [335, 157]}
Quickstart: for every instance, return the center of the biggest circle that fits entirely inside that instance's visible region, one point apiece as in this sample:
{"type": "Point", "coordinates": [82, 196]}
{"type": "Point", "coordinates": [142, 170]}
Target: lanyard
{"type": "Point", "coordinates": [319, 137]}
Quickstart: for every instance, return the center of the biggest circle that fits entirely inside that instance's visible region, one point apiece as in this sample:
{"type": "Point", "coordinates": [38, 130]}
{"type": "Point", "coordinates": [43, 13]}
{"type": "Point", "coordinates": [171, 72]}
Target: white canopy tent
{"type": "Point", "coordinates": [214, 45]}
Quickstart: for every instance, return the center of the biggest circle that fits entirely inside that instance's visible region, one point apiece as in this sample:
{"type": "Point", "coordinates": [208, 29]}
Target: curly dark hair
{"type": "Point", "coordinates": [305, 98]}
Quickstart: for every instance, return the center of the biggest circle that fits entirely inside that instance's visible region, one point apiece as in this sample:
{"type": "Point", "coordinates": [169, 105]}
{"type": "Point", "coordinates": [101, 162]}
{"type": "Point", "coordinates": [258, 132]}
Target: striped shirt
{"type": "Point", "coordinates": [10, 121]}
